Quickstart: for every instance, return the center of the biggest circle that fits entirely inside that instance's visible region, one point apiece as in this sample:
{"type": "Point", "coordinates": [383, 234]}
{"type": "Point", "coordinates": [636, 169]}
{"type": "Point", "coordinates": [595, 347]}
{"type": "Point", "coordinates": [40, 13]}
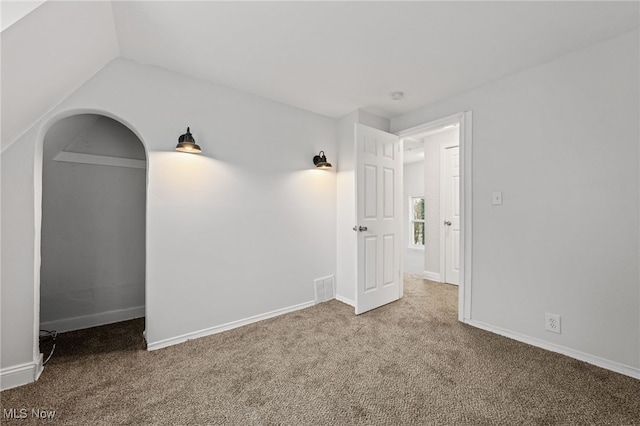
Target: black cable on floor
{"type": "Point", "coordinates": [46, 334]}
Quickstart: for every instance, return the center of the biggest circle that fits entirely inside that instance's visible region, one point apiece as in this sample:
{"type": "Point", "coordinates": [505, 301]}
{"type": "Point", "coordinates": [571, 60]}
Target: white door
{"type": "Point", "coordinates": [378, 215]}
{"type": "Point", "coordinates": [451, 221]}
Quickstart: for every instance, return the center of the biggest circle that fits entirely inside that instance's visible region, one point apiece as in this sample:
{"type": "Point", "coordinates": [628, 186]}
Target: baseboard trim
{"type": "Point", "coordinates": [152, 346]}
{"type": "Point", "coordinates": [39, 366]}
{"type": "Point", "coordinates": [94, 320]}
{"type": "Point", "coordinates": [21, 374]}
{"type": "Point", "coordinates": [582, 356]}
{"type": "Point", "coordinates": [433, 276]}
{"type": "Point", "coordinates": [345, 300]}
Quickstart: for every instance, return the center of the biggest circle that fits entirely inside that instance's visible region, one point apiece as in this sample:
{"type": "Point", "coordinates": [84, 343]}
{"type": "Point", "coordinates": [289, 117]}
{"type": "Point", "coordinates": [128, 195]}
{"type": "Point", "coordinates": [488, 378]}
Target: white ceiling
{"type": "Point", "coordinates": [327, 57]}
{"type": "Point", "coordinates": [47, 53]}
{"type": "Point", "coordinates": [13, 11]}
{"type": "Point", "coordinates": [334, 57]}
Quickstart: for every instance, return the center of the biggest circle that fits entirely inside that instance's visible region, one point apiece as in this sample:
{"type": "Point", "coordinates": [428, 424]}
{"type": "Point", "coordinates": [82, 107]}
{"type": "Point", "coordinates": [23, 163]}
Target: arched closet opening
{"type": "Point", "coordinates": [93, 225]}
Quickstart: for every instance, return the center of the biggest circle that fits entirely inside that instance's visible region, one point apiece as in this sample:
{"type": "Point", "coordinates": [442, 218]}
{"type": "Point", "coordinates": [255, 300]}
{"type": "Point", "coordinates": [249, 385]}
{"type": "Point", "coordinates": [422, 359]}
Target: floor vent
{"type": "Point", "coordinates": [324, 289]}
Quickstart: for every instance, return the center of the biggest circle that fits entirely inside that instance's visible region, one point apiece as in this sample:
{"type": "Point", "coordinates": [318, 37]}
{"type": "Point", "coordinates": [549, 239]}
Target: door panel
{"type": "Point", "coordinates": [388, 193]}
{"type": "Point", "coordinates": [388, 246]}
{"type": "Point", "coordinates": [378, 214]}
{"type": "Point", "coordinates": [369, 267]}
{"type": "Point", "coordinates": [370, 191]}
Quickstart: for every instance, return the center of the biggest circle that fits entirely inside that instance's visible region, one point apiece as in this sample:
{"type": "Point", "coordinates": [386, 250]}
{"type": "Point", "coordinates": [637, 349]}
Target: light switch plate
{"type": "Point", "coordinates": [496, 198]}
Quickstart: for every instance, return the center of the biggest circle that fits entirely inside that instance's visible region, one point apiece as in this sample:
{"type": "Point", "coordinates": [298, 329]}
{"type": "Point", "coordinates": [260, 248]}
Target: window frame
{"type": "Point", "coordinates": [412, 221]}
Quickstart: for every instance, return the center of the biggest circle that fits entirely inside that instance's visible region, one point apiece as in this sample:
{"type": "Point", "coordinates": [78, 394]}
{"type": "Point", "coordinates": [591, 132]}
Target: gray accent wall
{"type": "Point", "coordinates": [93, 227]}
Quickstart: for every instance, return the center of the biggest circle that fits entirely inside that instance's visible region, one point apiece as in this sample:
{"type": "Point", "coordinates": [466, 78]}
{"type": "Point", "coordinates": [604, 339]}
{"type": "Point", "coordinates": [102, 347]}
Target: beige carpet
{"type": "Point", "coordinates": [410, 362]}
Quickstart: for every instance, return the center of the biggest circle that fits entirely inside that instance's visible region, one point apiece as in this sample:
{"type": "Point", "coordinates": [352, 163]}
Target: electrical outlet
{"type": "Point", "coordinates": [552, 323]}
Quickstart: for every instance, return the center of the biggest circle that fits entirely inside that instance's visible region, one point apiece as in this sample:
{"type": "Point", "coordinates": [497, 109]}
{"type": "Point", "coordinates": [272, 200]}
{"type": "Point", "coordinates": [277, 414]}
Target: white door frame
{"type": "Point", "coordinates": [464, 121]}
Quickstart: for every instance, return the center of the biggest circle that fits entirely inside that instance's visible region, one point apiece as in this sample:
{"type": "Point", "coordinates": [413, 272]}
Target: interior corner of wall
{"type": "Point", "coordinates": [372, 120]}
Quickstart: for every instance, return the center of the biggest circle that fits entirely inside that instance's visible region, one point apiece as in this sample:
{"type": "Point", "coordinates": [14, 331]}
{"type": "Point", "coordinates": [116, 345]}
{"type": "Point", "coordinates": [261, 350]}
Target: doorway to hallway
{"type": "Point", "coordinates": [437, 225]}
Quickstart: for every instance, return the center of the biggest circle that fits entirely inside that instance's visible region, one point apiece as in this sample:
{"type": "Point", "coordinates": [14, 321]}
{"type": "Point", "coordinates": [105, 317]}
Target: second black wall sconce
{"type": "Point", "coordinates": [320, 161]}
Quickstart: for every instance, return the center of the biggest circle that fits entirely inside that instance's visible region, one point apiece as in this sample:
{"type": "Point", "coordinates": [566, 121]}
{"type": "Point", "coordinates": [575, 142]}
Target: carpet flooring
{"type": "Point", "coordinates": [407, 363]}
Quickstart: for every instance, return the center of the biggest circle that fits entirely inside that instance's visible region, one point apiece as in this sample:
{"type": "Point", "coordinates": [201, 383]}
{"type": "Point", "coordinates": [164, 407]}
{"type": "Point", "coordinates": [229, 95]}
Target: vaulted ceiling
{"type": "Point", "coordinates": [325, 57]}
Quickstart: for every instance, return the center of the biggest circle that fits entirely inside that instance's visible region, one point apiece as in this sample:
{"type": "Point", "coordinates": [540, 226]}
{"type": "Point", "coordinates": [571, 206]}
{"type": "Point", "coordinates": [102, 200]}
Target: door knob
{"type": "Point", "coordinates": [360, 228]}
{"type": "Point", "coordinates": [447, 222]}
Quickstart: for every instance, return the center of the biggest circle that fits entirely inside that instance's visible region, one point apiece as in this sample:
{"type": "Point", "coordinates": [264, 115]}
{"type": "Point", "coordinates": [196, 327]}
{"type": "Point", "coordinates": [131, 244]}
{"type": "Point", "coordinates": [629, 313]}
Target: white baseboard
{"type": "Point", "coordinates": [433, 276]}
{"type": "Point", "coordinates": [94, 320]}
{"type": "Point", "coordinates": [152, 346]}
{"type": "Point", "coordinates": [21, 374]}
{"type": "Point", "coordinates": [582, 356]}
{"type": "Point", "coordinates": [345, 300]}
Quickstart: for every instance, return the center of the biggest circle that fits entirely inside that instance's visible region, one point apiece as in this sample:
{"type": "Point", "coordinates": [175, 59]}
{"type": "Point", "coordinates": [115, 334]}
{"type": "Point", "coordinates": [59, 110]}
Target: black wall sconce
{"type": "Point", "coordinates": [320, 161]}
{"type": "Point", "coordinates": [186, 143]}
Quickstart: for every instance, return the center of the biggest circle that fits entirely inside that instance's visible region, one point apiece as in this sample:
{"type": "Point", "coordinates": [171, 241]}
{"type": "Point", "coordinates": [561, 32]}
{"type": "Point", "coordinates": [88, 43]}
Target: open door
{"type": "Point", "coordinates": [450, 178]}
{"type": "Point", "coordinates": [378, 214]}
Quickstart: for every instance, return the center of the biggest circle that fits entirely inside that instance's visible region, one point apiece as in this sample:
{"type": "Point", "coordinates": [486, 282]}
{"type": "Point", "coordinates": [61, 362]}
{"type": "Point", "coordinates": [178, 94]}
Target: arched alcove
{"type": "Point", "coordinates": [93, 224]}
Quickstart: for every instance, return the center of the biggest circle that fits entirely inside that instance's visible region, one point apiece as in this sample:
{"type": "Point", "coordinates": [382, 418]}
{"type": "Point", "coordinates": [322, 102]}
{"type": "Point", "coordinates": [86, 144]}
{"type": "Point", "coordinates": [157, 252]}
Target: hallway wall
{"type": "Point", "coordinates": [413, 181]}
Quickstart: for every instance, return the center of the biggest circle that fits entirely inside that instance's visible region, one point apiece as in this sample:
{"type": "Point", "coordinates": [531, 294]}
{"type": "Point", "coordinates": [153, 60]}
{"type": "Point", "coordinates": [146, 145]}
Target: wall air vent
{"type": "Point", "coordinates": [324, 289]}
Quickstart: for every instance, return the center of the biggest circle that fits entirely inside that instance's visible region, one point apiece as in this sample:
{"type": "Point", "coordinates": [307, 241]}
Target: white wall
{"type": "Point", "coordinates": [413, 182]}
{"type": "Point", "coordinates": [93, 222]}
{"type": "Point", "coordinates": [51, 52]}
{"type": "Point", "coordinates": [561, 142]}
{"type": "Point", "coordinates": [13, 11]}
{"type": "Point", "coordinates": [17, 301]}
{"type": "Point", "coordinates": [253, 193]}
